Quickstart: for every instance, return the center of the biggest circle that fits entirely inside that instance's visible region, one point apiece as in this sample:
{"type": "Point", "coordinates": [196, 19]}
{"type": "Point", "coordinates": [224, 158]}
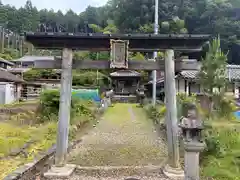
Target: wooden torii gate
{"type": "Point", "coordinates": [119, 45]}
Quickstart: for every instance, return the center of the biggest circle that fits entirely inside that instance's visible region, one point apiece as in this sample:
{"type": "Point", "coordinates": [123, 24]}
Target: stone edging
{"type": "Point", "coordinates": [21, 171]}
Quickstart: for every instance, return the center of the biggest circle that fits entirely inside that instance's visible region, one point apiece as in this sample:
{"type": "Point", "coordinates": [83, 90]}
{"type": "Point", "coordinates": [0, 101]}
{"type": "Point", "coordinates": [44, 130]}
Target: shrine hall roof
{"type": "Point", "coordinates": [125, 73]}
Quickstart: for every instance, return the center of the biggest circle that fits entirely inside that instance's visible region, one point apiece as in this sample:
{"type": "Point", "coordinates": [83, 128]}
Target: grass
{"type": "Point", "coordinates": [14, 137]}
{"type": "Point", "coordinates": [23, 127]}
{"type": "Point", "coordinates": [17, 104]}
{"type": "Point", "coordinates": [224, 164]}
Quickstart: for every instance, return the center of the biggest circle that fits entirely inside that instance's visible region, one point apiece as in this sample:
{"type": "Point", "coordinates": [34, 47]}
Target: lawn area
{"type": "Point", "coordinates": [222, 162]}
{"type": "Point", "coordinates": [13, 137]}
{"type": "Point", "coordinates": [26, 134]}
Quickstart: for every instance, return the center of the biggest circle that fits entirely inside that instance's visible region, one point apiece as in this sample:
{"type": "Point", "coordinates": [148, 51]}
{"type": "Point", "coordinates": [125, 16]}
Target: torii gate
{"type": "Point", "coordinates": [119, 45]}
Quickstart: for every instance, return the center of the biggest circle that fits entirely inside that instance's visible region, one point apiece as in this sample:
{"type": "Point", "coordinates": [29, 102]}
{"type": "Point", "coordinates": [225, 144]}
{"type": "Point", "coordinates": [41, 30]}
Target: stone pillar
{"type": "Point", "coordinates": [191, 159]}
{"type": "Point", "coordinates": [172, 169]}
{"type": "Point", "coordinates": [187, 87]}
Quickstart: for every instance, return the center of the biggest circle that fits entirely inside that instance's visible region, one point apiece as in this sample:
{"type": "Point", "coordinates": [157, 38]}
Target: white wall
{"type": "Point", "coordinates": [10, 93]}
{"type": "Point", "coordinates": [185, 86]}
{"type": "Point", "coordinates": [180, 85]}
{"type": "Point", "coordinates": [7, 93]}
{"type": "Point", "coordinates": [194, 88]}
{"type": "Point", "coordinates": [2, 93]}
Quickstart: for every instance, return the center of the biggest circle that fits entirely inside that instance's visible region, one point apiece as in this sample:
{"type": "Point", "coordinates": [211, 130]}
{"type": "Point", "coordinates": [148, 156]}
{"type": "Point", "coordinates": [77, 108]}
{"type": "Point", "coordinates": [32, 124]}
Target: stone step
{"type": "Point", "coordinates": [119, 171]}
{"type": "Point", "coordinates": [82, 177]}
{"type": "Point", "coordinates": [124, 99]}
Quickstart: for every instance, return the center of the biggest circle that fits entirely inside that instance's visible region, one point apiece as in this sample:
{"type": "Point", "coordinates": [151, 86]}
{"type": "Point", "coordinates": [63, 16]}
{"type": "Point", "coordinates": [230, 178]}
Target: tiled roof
{"type": "Point", "coordinates": [9, 77]}
{"type": "Point", "coordinates": [125, 73]}
{"type": "Point", "coordinates": [232, 73]}
{"type": "Point", "coordinates": [189, 74]}
{"type": "Point", "coordinates": [34, 58]}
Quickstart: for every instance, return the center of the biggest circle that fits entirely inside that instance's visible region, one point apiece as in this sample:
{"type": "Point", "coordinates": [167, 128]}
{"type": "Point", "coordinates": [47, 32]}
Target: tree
{"type": "Point", "coordinates": [213, 70]}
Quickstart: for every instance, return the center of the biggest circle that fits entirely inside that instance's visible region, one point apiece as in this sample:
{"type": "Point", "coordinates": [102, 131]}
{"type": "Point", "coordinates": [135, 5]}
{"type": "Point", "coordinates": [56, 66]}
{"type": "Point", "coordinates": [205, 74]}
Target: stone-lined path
{"type": "Point", "coordinates": [124, 137]}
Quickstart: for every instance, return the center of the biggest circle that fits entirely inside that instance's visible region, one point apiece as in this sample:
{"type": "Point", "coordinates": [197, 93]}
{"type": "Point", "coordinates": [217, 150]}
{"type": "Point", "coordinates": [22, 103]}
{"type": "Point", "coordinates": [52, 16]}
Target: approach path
{"type": "Point", "coordinates": [123, 138]}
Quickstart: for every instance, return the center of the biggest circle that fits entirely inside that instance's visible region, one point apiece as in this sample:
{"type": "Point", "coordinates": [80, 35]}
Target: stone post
{"type": "Point", "coordinates": [109, 95]}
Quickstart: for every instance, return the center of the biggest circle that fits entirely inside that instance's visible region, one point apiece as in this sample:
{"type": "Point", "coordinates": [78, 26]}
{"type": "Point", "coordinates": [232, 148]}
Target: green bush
{"type": "Point", "coordinates": [224, 107]}
{"type": "Point", "coordinates": [81, 110]}
{"type": "Point", "coordinates": [220, 159]}
{"type": "Point", "coordinates": [182, 100]}
{"type": "Point", "coordinates": [35, 74]}
{"type": "Point", "coordinates": [5, 56]}
{"type": "Point", "coordinates": [156, 113]}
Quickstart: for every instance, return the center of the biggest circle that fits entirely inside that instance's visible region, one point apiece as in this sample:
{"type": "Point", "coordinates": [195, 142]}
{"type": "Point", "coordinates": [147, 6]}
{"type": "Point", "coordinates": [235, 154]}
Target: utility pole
{"type": "Point", "coordinates": [21, 46]}
{"type": "Point", "coordinates": [2, 39]}
{"type": "Point", "coordinates": [154, 72]}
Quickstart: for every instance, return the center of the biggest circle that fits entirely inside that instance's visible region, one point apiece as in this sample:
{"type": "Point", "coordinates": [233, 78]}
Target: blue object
{"type": "Point", "coordinates": [87, 94]}
{"type": "Point", "coordinates": [237, 115]}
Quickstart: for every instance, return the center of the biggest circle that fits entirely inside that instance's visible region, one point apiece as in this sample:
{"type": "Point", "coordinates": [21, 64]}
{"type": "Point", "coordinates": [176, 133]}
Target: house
{"type": "Point", "coordinates": [4, 64]}
{"type": "Point", "coordinates": [187, 82]}
{"type": "Point", "coordinates": [33, 88]}
{"type": "Point", "coordinates": [10, 85]}
{"type": "Point", "coordinates": [30, 61]}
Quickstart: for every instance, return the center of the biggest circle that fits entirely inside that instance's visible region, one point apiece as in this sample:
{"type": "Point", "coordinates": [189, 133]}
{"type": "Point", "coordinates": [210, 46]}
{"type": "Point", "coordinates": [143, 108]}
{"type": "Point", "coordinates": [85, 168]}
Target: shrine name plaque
{"type": "Point", "coordinates": [119, 54]}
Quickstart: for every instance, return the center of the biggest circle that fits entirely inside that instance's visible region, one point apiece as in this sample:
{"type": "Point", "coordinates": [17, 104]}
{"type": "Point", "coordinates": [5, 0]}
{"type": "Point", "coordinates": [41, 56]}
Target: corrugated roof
{"type": "Point", "coordinates": [125, 73]}
{"type": "Point", "coordinates": [33, 58]}
{"type": "Point", "coordinates": [9, 77]}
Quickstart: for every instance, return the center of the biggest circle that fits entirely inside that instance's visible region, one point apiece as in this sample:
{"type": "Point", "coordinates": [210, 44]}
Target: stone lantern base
{"type": "Point", "coordinates": [191, 158]}
{"type": "Point", "coordinates": [173, 172]}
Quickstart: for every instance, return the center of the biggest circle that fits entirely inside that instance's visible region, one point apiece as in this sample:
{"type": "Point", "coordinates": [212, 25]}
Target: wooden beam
{"type": "Point", "coordinates": [105, 64]}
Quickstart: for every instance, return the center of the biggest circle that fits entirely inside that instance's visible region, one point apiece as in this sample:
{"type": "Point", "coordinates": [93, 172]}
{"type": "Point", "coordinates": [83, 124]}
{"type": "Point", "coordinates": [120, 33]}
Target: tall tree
{"type": "Point", "coordinates": [213, 71]}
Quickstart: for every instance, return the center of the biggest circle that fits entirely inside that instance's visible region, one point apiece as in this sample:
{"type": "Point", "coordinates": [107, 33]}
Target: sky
{"type": "Point", "coordinates": [64, 5]}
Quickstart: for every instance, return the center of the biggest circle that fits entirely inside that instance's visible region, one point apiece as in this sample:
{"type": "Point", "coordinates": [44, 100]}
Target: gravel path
{"type": "Point", "coordinates": [123, 137]}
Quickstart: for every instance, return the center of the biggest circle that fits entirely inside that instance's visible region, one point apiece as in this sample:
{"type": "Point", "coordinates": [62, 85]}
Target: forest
{"type": "Point", "coordinates": [137, 16]}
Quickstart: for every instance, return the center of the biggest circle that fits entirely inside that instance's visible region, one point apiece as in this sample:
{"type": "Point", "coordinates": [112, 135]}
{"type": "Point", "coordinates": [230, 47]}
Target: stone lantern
{"type": "Point", "coordinates": [191, 127]}
{"type": "Point", "coordinates": [141, 95]}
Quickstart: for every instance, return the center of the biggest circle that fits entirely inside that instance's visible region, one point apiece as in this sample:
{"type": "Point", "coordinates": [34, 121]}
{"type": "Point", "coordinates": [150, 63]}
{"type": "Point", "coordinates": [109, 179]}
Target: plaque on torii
{"type": "Point", "coordinates": [119, 54]}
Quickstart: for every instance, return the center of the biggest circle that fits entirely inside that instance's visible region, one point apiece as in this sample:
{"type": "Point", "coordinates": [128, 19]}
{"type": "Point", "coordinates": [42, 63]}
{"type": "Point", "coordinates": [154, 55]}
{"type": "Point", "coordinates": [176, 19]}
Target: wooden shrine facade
{"type": "Point", "coordinates": [125, 82]}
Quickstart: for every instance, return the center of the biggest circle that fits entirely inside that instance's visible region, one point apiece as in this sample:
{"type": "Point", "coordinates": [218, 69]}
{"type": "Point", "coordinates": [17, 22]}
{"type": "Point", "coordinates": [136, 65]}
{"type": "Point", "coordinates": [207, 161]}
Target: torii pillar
{"type": "Point", "coordinates": [172, 168]}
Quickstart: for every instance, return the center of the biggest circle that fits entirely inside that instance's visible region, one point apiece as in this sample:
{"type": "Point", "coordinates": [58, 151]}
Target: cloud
{"type": "Point", "coordinates": [63, 5]}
